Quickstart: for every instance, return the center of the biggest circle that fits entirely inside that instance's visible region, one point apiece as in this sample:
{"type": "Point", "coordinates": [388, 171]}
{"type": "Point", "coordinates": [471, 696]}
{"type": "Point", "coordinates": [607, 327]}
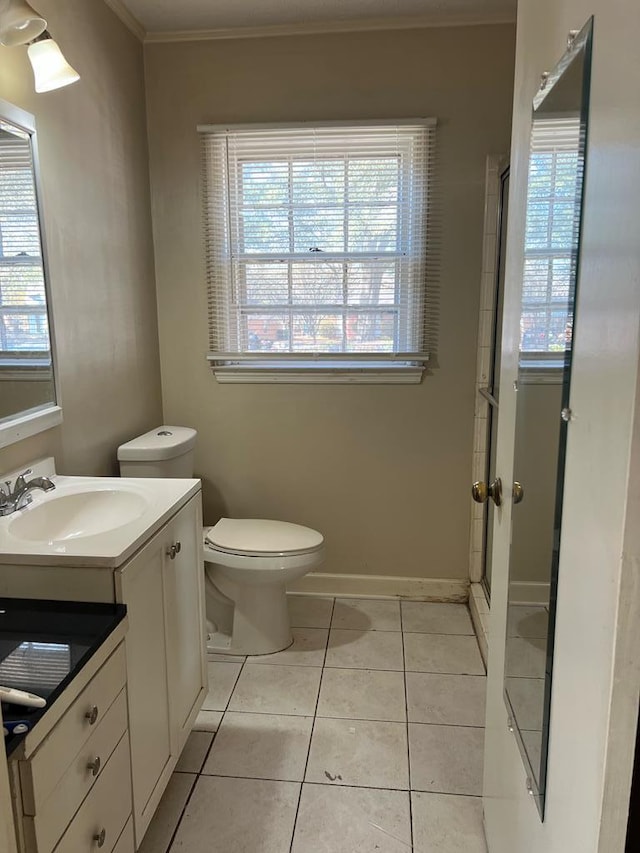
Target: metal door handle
{"type": "Point", "coordinates": [518, 492]}
{"type": "Point", "coordinates": [481, 492]}
{"type": "Point", "coordinates": [99, 837]}
{"type": "Point", "coordinates": [94, 766]}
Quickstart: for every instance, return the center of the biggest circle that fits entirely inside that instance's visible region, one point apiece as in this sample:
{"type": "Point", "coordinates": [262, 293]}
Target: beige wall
{"type": "Point", "coordinates": [93, 152]}
{"type": "Point", "coordinates": [383, 472]}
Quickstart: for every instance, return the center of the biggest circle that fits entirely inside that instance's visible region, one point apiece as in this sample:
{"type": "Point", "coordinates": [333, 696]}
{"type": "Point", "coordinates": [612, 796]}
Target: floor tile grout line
{"type": "Point", "coordinates": [406, 711]}
{"type": "Point", "coordinates": [450, 726]}
{"type": "Point", "coordinates": [199, 774]}
{"type": "Point", "coordinates": [313, 725]}
{"type": "Point", "coordinates": [223, 712]}
{"type": "Point", "coordinates": [405, 631]}
{"type": "Point", "coordinates": [341, 785]}
{"type": "Point", "coordinates": [196, 776]}
{"type": "Point", "coordinates": [352, 719]}
{"type": "Point", "coordinates": [373, 669]}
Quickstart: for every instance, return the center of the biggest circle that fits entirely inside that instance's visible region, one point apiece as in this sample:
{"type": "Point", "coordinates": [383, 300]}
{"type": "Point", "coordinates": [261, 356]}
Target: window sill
{"type": "Point", "coordinates": [319, 373]}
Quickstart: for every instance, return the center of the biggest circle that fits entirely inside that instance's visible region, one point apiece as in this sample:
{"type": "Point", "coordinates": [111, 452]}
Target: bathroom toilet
{"type": "Point", "coordinates": [248, 562]}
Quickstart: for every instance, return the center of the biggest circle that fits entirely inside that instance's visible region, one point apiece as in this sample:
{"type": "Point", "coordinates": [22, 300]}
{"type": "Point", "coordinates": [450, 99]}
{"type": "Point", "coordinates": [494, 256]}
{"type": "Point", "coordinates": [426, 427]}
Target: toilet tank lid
{"type": "Point", "coordinates": [163, 442]}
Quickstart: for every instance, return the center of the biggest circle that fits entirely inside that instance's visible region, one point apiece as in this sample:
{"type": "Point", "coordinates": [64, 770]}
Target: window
{"type": "Point", "coordinates": [555, 181]}
{"type": "Point", "coordinates": [24, 336]}
{"type": "Point", "coordinates": [317, 246]}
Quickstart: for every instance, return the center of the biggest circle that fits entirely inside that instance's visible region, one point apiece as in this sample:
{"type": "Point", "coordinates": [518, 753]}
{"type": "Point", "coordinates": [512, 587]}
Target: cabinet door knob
{"type": "Point", "coordinates": [94, 766]}
{"type": "Point", "coordinates": [99, 837]}
{"type": "Point", "coordinates": [92, 714]}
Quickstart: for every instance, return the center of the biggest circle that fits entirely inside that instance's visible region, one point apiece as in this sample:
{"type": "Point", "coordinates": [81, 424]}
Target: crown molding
{"type": "Point", "coordinates": [317, 28]}
{"type": "Point", "coordinates": [128, 19]}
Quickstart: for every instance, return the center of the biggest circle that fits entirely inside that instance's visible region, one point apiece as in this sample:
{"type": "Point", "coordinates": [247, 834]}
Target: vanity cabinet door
{"type": "Point", "coordinates": [183, 577]}
{"type": "Point", "coordinates": [139, 585]}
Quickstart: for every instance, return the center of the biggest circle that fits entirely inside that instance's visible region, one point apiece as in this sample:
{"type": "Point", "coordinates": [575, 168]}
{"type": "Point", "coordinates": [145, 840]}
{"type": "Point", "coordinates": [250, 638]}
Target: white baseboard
{"type": "Point", "coordinates": [382, 586]}
{"type": "Point", "coordinates": [525, 592]}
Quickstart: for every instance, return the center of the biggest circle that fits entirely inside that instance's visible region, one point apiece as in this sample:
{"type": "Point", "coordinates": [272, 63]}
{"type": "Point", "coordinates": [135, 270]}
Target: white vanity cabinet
{"type": "Point", "coordinates": [166, 669]}
{"type": "Point", "coordinates": [71, 778]}
{"type": "Point", "coordinates": [160, 579]}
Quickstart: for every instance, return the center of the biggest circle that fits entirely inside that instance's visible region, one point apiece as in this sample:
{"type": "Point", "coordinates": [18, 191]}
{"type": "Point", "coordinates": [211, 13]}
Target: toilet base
{"type": "Point", "coordinates": [221, 644]}
{"type": "Point", "coordinates": [260, 620]}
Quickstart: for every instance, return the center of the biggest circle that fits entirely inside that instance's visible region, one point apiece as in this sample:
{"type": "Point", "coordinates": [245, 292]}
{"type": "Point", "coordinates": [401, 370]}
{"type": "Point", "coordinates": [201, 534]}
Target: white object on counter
{"type": "Point", "coordinates": [12, 696]}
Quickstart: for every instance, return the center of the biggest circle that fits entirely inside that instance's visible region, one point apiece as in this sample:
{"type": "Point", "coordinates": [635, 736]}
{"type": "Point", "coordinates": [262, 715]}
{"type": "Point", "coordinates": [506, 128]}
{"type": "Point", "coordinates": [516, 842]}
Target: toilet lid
{"type": "Point", "coordinates": [259, 536]}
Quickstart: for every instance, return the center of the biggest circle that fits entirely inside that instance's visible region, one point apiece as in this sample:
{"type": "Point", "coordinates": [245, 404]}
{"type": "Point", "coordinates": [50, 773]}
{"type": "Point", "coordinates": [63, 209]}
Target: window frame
{"type": "Point", "coordinates": [326, 367]}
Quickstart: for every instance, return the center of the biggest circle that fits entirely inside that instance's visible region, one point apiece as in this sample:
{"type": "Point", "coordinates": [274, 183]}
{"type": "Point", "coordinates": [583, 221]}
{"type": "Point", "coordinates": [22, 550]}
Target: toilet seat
{"type": "Point", "coordinates": [252, 537]}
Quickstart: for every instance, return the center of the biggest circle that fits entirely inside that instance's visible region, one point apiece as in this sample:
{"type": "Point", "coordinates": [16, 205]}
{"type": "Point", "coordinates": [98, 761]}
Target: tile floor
{"type": "Point", "coordinates": [365, 735]}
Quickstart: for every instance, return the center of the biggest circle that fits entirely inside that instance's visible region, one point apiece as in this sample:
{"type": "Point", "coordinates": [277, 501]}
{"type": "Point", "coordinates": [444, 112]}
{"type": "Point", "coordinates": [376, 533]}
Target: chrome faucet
{"type": "Point", "coordinates": [18, 496]}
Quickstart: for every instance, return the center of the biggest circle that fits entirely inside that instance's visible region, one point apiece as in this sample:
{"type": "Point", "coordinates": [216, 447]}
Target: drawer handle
{"type": "Point", "coordinates": [99, 837]}
{"type": "Point", "coordinates": [92, 714]}
{"type": "Point", "coordinates": [173, 550]}
{"type": "Point", "coordinates": [94, 766]}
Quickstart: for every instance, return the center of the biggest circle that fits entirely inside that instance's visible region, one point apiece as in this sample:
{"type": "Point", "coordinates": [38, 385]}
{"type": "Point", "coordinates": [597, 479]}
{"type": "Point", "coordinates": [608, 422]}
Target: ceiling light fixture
{"type": "Point", "coordinates": [50, 69]}
{"type": "Point", "coordinates": [19, 23]}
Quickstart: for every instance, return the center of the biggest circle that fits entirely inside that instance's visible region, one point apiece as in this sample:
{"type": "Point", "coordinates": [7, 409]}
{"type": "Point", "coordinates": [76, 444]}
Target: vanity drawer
{"type": "Point", "coordinates": [126, 843]}
{"type": "Point", "coordinates": [54, 815]}
{"type": "Point", "coordinates": [105, 811]}
{"type": "Point", "coordinates": [40, 775]}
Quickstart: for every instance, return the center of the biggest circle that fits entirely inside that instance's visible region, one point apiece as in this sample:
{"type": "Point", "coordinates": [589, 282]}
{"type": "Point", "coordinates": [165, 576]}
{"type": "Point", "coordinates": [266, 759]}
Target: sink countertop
{"type": "Point", "coordinates": [108, 549]}
{"type": "Point", "coordinates": [44, 646]}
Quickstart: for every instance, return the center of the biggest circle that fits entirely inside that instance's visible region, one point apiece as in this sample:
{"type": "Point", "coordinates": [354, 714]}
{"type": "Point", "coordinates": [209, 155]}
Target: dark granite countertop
{"type": "Point", "coordinates": [43, 647]}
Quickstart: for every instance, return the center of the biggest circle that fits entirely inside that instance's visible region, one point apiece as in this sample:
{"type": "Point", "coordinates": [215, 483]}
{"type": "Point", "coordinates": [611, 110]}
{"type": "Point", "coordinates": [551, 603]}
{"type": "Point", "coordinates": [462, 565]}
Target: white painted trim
{"type": "Point", "coordinates": [421, 121]}
{"type": "Point", "coordinates": [324, 27]}
{"type": "Point", "coordinates": [26, 374]}
{"type": "Point", "coordinates": [128, 18]}
{"type": "Point", "coordinates": [383, 586]}
{"type": "Point", "coordinates": [392, 375]}
{"type": "Point", "coordinates": [541, 376]}
{"type": "Point", "coordinates": [28, 424]}
{"type": "Point", "coordinates": [529, 592]}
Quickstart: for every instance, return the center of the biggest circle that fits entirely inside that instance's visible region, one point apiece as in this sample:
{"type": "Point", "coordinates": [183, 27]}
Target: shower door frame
{"type": "Point", "coordinates": [486, 406]}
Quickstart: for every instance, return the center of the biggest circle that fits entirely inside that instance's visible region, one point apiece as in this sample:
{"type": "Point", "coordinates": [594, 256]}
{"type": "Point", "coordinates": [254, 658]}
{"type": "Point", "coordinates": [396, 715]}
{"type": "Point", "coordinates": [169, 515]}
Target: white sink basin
{"type": "Point", "coordinates": [87, 521]}
{"type": "Point", "coordinates": [60, 518]}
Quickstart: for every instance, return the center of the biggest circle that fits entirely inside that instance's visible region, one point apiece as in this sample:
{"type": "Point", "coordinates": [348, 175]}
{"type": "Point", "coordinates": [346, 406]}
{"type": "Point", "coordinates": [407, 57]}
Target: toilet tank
{"type": "Point", "coordinates": [166, 451]}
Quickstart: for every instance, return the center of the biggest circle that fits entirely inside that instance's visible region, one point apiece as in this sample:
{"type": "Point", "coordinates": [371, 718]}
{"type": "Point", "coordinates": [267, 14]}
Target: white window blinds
{"type": "Point", "coordinates": [23, 311]}
{"type": "Point", "coordinates": [318, 241]}
{"type": "Point", "coordinates": [553, 209]}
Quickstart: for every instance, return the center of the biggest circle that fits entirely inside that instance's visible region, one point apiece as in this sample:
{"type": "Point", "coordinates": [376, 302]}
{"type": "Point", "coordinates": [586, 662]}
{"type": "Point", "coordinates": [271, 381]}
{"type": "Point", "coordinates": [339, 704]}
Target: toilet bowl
{"type": "Point", "coordinates": [248, 563]}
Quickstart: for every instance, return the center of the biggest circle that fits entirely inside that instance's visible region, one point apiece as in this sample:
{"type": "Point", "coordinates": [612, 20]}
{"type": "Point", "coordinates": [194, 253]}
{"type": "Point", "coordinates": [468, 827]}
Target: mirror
{"type": "Point", "coordinates": [27, 383]}
{"type": "Point", "coordinates": [547, 326]}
